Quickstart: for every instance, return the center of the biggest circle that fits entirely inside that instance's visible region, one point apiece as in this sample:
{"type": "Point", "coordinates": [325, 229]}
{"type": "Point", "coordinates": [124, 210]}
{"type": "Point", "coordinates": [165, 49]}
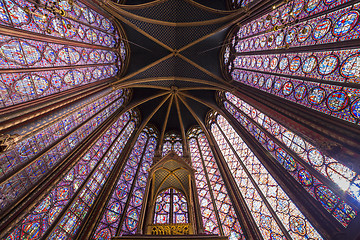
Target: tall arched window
{"type": "Point", "coordinates": [26, 163]}
{"type": "Point", "coordinates": [171, 207]}
{"type": "Point", "coordinates": [275, 214]}
{"type": "Point", "coordinates": [323, 80]}
{"type": "Point", "coordinates": [282, 143]}
{"type": "Point", "coordinates": [218, 214]}
{"type": "Point", "coordinates": [172, 141]}
{"type": "Point", "coordinates": [122, 212]}
{"type": "Point", "coordinates": [65, 206]}
{"type": "Point", "coordinates": [47, 47]}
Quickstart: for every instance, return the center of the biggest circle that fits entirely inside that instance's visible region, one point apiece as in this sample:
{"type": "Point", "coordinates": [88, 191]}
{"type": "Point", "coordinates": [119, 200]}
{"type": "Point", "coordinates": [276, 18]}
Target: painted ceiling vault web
{"type": "Point", "coordinates": [236, 118]}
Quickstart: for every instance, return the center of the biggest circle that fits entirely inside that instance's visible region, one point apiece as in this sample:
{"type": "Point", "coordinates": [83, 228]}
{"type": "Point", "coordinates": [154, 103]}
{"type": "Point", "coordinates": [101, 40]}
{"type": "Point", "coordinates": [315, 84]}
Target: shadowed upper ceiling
{"type": "Point", "coordinates": [174, 68]}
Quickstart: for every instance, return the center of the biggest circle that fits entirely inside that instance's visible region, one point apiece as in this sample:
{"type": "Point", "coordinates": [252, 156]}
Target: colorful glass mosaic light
{"type": "Point", "coordinates": [35, 62]}
{"type": "Point", "coordinates": [171, 207]}
{"type": "Point", "coordinates": [270, 206]}
{"type": "Point", "coordinates": [322, 80]}
{"type": "Point", "coordinates": [266, 131]}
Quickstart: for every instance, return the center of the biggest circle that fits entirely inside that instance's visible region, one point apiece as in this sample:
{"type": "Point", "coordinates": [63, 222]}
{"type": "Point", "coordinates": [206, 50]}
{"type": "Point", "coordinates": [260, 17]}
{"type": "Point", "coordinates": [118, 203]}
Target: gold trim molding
{"type": "Point", "coordinates": [170, 229]}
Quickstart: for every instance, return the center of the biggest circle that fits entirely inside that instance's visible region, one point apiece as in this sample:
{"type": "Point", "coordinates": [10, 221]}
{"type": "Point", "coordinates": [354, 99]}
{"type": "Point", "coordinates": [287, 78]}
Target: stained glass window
{"type": "Point", "coordinates": [167, 146]}
{"type": "Point", "coordinates": [269, 205]}
{"type": "Point", "coordinates": [53, 46]}
{"type": "Point", "coordinates": [235, 4]}
{"type": "Point", "coordinates": [26, 163]}
{"type": "Point", "coordinates": [216, 207]}
{"type": "Point", "coordinates": [171, 207]}
{"type": "Point", "coordinates": [79, 208]}
{"type": "Point", "coordinates": [83, 181]}
{"type": "Point", "coordinates": [133, 212]}
{"type": "Point", "coordinates": [323, 80]}
{"type": "Point", "coordinates": [127, 196]}
{"type": "Point", "coordinates": [172, 141]}
{"type": "Point", "coordinates": [265, 129]}
{"type": "Point", "coordinates": [296, 10]}
{"type": "Point", "coordinates": [162, 207]}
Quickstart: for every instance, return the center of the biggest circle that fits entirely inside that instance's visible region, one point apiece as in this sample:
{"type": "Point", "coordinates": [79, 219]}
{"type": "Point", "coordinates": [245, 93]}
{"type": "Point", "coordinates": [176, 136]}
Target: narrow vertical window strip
{"type": "Point", "coordinates": [163, 207]}
{"type": "Point", "coordinates": [67, 227]}
{"type": "Point", "coordinates": [228, 219]}
{"type": "Point", "coordinates": [210, 222]}
{"type": "Point", "coordinates": [293, 220]}
{"type": "Point", "coordinates": [37, 167]}
{"type": "Point", "coordinates": [43, 215]}
{"type": "Point", "coordinates": [180, 208]}
{"type": "Point", "coordinates": [110, 219]}
{"type": "Point", "coordinates": [178, 148]}
{"type": "Point", "coordinates": [166, 148]}
{"type": "Point", "coordinates": [133, 212]}
{"type": "Point", "coordinates": [265, 221]}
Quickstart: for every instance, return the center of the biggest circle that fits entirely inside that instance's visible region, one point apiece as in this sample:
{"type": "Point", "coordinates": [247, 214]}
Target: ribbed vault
{"type": "Point", "coordinates": [175, 46]}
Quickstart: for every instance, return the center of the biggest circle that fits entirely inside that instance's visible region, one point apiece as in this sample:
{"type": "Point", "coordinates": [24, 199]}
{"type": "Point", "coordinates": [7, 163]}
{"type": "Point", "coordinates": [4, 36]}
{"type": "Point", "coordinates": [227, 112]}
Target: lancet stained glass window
{"type": "Point", "coordinates": [172, 141]}
{"type": "Point", "coordinates": [216, 207]}
{"type": "Point", "coordinates": [75, 44]}
{"type": "Point", "coordinates": [171, 207]}
{"type": "Point", "coordinates": [127, 196]}
{"type": "Point", "coordinates": [267, 202]}
{"type": "Point", "coordinates": [25, 164]}
{"type": "Point", "coordinates": [323, 80]}
{"type": "Point", "coordinates": [84, 180]}
{"type": "Point", "coordinates": [342, 176]}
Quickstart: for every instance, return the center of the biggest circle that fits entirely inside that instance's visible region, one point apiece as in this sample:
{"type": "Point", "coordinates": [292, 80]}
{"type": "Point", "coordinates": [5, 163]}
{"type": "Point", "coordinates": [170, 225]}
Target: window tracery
{"type": "Point", "coordinates": [270, 206]}
{"type": "Point", "coordinates": [216, 207]}
{"type": "Point", "coordinates": [83, 181]}
{"type": "Point", "coordinates": [127, 197]}
{"type": "Point", "coordinates": [53, 46]}
{"type": "Point", "coordinates": [172, 141]}
{"type": "Point", "coordinates": [171, 207]}
{"type": "Point", "coordinates": [330, 168]}
{"type": "Point", "coordinates": [323, 80]}
{"type": "Point", "coordinates": [235, 4]}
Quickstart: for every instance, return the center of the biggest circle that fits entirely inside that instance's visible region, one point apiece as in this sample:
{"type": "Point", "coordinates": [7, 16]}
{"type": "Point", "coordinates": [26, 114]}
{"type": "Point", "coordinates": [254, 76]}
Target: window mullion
{"type": "Point", "coordinates": [283, 229]}
{"type": "Point", "coordinates": [210, 189]}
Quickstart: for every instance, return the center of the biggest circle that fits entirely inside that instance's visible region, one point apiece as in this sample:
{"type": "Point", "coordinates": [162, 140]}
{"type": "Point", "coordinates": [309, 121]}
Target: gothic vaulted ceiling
{"type": "Point", "coordinates": [174, 67]}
